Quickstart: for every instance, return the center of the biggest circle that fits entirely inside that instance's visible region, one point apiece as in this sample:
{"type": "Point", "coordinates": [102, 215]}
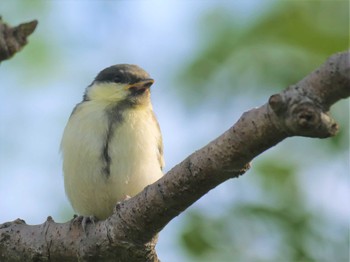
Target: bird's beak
{"type": "Point", "coordinates": [142, 85]}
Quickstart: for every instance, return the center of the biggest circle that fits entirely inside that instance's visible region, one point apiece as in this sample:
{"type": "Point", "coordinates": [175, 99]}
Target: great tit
{"type": "Point", "coordinates": [112, 145]}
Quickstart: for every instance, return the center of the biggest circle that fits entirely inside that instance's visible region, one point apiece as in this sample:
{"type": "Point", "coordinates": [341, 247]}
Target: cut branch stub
{"type": "Point", "coordinates": [12, 39]}
{"type": "Point", "coordinates": [303, 109]}
{"type": "Point", "coordinates": [301, 116]}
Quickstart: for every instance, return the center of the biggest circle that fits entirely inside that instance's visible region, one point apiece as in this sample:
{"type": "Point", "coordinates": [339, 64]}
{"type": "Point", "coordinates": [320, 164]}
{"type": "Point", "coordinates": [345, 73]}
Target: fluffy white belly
{"type": "Point", "coordinates": [100, 170]}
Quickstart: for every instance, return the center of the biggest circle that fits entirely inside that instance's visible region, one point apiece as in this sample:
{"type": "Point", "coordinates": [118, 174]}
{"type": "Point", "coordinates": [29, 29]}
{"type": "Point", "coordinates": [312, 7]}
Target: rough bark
{"type": "Point", "coordinates": [130, 234]}
{"type": "Point", "coordinates": [13, 39]}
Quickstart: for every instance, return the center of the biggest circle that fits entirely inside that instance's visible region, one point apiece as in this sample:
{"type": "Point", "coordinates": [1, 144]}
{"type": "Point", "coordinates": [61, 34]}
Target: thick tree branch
{"type": "Point", "coordinates": [130, 233]}
{"type": "Point", "coordinates": [12, 39]}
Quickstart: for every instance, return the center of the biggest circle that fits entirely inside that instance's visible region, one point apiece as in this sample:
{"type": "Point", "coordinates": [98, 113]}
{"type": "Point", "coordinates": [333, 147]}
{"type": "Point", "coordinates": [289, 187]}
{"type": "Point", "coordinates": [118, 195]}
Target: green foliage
{"type": "Point", "coordinates": [279, 48]}
{"type": "Point", "coordinates": [277, 225]}
{"type": "Point", "coordinates": [195, 237]}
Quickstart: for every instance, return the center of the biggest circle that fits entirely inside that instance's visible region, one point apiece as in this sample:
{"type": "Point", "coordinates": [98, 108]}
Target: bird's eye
{"type": "Point", "coordinates": [117, 79]}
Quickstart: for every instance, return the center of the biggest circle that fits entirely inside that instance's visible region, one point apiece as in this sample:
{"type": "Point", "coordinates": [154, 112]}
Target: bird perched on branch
{"type": "Point", "coordinates": [112, 146]}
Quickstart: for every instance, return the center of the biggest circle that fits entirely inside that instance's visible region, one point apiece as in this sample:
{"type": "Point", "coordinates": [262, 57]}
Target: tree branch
{"type": "Point", "coordinates": [13, 39]}
{"type": "Point", "coordinates": [130, 234]}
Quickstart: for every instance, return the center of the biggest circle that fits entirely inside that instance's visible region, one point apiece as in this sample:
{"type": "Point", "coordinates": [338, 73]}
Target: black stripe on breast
{"type": "Point", "coordinates": [115, 119]}
{"type": "Point", "coordinates": [105, 153]}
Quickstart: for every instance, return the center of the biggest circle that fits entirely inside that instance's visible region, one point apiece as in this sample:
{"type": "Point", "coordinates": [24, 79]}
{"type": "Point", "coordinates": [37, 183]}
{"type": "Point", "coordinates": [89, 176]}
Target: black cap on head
{"type": "Point", "coordinates": [122, 73]}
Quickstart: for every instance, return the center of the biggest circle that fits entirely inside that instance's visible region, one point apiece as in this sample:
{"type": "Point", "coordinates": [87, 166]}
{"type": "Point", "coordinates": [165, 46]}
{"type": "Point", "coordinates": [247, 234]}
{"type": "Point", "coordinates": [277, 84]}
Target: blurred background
{"type": "Point", "coordinates": [212, 60]}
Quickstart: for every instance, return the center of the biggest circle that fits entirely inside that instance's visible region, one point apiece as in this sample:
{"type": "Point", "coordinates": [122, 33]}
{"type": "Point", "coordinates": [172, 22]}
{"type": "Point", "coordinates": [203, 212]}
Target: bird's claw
{"type": "Point", "coordinates": [83, 221]}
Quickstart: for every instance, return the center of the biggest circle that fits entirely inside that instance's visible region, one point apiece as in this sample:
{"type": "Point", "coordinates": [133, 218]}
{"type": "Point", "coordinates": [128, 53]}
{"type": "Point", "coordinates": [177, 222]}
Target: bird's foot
{"type": "Point", "coordinates": [83, 221]}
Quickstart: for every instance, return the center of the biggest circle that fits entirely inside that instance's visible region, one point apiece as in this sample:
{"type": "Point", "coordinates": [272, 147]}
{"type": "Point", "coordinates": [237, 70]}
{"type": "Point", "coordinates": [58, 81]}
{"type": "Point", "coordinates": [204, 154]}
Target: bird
{"type": "Point", "coordinates": [112, 144]}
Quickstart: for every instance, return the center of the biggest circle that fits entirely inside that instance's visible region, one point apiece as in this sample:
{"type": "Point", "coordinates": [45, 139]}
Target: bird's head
{"type": "Point", "coordinates": [121, 83]}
